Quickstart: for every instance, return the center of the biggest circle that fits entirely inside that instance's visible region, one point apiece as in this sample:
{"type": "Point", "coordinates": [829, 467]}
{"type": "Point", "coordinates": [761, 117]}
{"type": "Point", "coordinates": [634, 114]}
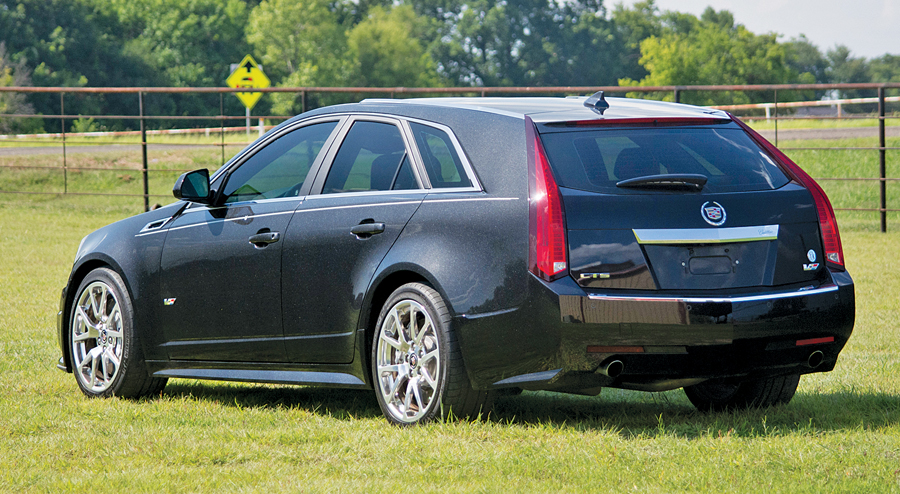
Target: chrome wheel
{"type": "Point", "coordinates": [97, 337]}
{"type": "Point", "coordinates": [408, 361]}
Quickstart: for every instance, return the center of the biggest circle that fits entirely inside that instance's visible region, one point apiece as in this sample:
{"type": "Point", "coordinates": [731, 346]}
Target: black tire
{"type": "Point", "coordinates": [106, 353]}
{"type": "Point", "coordinates": [715, 395]}
{"type": "Point", "coordinates": [424, 381]}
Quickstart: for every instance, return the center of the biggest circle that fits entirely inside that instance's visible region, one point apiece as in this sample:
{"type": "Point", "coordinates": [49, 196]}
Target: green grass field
{"type": "Point", "coordinates": [841, 432]}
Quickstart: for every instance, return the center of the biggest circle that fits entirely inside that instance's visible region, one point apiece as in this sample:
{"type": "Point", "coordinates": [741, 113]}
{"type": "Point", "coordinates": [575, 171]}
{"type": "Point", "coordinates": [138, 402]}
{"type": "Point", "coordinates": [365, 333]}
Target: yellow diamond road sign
{"type": "Point", "coordinates": [248, 75]}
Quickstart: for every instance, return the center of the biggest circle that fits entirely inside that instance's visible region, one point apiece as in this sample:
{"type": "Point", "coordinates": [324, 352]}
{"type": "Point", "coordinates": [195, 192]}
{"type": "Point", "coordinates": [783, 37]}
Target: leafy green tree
{"type": "Point", "coordinates": [387, 52]}
{"type": "Point", "coordinates": [70, 43]}
{"type": "Point", "coordinates": [634, 25]}
{"type": "Point", "coordinates": [885, 68]}
{"type": "Point", "coordinates": [524, 42]}
{"type": "Point", "coordinates": [15, 74]}
{"type": "Point", "coordinates": [713, 52]}
{"type": "Point", "coordinates": [572, 44]}
{"type": "Point", "coordinates": [187, 43]}
{"type": "Point", "coordinates": [191, 42]}
{"type": "Point", "coordinates": [807, 60]}
{"type": "Point", "coordinates": [301, 44]}
{"type": "Point", "coordinates": [843, 67]}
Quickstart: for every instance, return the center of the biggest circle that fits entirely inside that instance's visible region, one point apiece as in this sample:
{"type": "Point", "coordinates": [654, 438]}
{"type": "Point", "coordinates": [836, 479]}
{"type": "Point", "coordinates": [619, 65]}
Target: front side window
{"type": "Point", "coordinates": [373, 156]}
{"type": "Point", "coordinates": [280, 168]}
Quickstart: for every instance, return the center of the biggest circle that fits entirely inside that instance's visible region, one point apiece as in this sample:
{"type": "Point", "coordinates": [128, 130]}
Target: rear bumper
{"type": "Point", "coordinates": [565, 337]}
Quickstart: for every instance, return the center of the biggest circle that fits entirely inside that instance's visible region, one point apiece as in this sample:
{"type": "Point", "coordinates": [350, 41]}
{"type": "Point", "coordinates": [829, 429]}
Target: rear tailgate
{"type": "Point", "coordinates": [749, 226]}
{"type": "Point", "coordinates": [660, 241]}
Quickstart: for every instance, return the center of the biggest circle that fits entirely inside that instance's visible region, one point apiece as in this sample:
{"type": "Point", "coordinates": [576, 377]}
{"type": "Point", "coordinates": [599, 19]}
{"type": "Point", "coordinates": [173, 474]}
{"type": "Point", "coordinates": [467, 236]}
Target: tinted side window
{"type": "Point", "coordinates": [372, 157]}
{"type": "Point", "coordinates": [595, 160]}
{"type": "Point", "coordinates": [280, 168]}
{"type": "Point", "coordinates": [443, 165]}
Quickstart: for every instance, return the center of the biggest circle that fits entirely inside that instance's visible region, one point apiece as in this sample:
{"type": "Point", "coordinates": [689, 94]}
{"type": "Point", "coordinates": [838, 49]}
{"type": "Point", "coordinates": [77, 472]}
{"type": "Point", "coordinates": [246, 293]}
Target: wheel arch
{"type": "Point", "coordinates": [384, 284]}
{"type": "Point", "coordinates": [78, 275]}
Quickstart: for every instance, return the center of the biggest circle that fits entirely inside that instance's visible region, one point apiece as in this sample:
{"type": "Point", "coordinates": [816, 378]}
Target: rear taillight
{"type": "Point", "coordinates": [831, 238]}
{"type": "Point", "coordinates": [548, 257]}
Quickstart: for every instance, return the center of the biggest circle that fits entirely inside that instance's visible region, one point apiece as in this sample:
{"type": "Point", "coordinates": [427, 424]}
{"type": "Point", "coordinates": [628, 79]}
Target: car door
{"type": "Point", "coordinates": [340, 234]}
{"type": "Point", "coordinates": [221, 265]}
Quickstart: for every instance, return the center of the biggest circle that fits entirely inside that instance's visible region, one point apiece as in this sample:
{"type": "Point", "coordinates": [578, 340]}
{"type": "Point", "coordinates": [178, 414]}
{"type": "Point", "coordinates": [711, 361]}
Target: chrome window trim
{"type": "Point", "coordinates": [197, 207]}
{"type": "Point", "coordinates": [706, 235]}
{"type": "Point", "coordinates": [468, 199]}
{"type": "Point", "coordinates": [239, 158]}
{"type": "Point", "coordinates": [352, 206]}
{"type": "Point", "coordinates": [369, 193]}
{"type": "Point", "coordinates": [204, 208]}
{"type": "Point", "coordinates": [344, 128]}
{"type": "Point", "coordinates": [223, 220]}
{"type": "Point", "coordinates": [463, 157]}
{"type": "Point", "coordinates": [718, 300]}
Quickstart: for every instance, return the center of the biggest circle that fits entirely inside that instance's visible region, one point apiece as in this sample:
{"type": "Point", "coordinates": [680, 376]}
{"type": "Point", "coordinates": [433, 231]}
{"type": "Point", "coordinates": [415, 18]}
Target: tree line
{"type": "Point", "coordinates": [376, 43]}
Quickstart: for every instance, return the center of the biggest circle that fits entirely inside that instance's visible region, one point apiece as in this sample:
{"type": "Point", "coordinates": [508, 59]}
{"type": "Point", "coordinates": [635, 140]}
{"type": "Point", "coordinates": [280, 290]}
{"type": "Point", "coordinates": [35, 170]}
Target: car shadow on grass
{"type": "Point", "coordinates": [338, 403]}
{"type": "Point", "coordinates": [628, 413]}
{"type": "Point", "coordinates": [634, 414]}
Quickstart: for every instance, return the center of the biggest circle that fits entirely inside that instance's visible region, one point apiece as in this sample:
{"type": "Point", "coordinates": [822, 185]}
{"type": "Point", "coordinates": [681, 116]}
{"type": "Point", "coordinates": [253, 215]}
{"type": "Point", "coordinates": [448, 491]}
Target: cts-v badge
{"type": "Point", "coordinates": [713, 213]}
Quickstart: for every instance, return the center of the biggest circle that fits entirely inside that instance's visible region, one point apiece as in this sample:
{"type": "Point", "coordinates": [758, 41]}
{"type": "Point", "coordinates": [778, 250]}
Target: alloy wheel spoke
{"type": "Point", "coordinates": [382, 369]}
{"type": "Point", "coordinates": [85, 336]}
{"type": "Point", "coordinates": [432, 355]}
{"type": "Point", "coordinates": [407, 401]}
{"type": "Point", "coordinates": [392, 342]}
{"type": "Point", "coordinates": [95, 308]}
{"type": "Point", "coordinates": [104, 292]}
{"type": "Point", "coordinates": [395, 385]}
{"type": "Point", "coordinates": [94, 362]}
{"type": "Point", "coordinates": [114, 359]}
{"type": "Point", "coordinates": [428, 379]}
{"type": "Point", "coordinates": [426, 329]}
{"type": "Point", "coordinates": [84, 362]}
{"type": "Point", "coordinates": [417, 391]}
{"type": "Point", "coordinates": [92, 331]}
{"type": "Point", "coordinates": [115, 320]}
{"type": "Point", "coordinates": [413, 326]}
{"type": "Point", "coordinates": [396, 327]}
{"type": "Point", "coordinates": [104, 365]}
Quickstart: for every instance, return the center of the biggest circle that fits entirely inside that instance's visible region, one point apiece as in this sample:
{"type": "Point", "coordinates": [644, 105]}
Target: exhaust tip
{"type": "Point", "coordinates": [613, 369]}
{"type": "Point", "coordinates": [815, 359]}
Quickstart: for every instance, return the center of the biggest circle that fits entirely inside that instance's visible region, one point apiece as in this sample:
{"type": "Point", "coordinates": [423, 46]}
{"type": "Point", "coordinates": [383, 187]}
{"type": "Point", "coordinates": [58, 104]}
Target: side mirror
{"type": "Point", "coordinates": [193, 186]}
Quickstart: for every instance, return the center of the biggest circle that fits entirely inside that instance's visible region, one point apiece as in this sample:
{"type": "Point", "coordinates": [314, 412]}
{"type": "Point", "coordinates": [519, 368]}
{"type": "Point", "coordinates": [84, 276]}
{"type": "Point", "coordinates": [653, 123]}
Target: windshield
{"type": "Point", "coordinates": [596, 159]}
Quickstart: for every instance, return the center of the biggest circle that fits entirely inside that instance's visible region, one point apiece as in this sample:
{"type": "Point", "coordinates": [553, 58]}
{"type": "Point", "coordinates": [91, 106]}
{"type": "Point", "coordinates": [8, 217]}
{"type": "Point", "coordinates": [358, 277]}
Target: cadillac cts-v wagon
{"type": "Point", "coordinates": [439, 251]}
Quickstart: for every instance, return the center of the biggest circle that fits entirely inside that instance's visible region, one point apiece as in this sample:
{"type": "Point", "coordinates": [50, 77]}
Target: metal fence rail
{"type": "Point", "coordinates": [676, 93]}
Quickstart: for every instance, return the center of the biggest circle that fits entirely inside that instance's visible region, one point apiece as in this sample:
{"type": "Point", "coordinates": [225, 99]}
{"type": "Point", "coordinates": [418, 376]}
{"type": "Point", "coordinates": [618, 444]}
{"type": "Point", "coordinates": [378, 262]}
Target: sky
{"type": "Point", "coordinates": [870, 28]}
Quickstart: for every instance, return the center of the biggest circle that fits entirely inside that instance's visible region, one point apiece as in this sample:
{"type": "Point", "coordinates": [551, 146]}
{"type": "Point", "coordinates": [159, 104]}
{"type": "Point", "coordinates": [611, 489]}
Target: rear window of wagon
{"type": "Point", "coordinates": [595, 159]}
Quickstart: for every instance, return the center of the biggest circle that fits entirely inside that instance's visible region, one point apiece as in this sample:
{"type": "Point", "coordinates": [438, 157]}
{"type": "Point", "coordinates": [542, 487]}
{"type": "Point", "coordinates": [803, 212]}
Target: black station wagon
{"type": "Point", "coordinates": [440, 251]}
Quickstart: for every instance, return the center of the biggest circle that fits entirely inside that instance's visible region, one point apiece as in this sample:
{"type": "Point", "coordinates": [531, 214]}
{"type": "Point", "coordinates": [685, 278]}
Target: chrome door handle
{"type": "Point", "coordinates": [263, 239]}
{"type": "Point", "coordinates": [366, 230]}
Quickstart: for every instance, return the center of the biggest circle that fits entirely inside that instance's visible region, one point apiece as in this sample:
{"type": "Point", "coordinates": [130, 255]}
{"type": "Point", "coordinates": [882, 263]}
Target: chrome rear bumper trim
{"type": "Point", "coordinates": [718, 300]}
{"type": "Point", "coordinates": [706, 235]}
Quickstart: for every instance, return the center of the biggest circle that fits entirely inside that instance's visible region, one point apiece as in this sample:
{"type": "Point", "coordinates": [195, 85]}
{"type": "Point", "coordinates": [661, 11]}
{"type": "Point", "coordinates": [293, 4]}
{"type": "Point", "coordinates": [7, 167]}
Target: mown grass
{"type": "Point", "coordinates": [853, 120]}
{"type": "Point", "coordinates": [840, 433]}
